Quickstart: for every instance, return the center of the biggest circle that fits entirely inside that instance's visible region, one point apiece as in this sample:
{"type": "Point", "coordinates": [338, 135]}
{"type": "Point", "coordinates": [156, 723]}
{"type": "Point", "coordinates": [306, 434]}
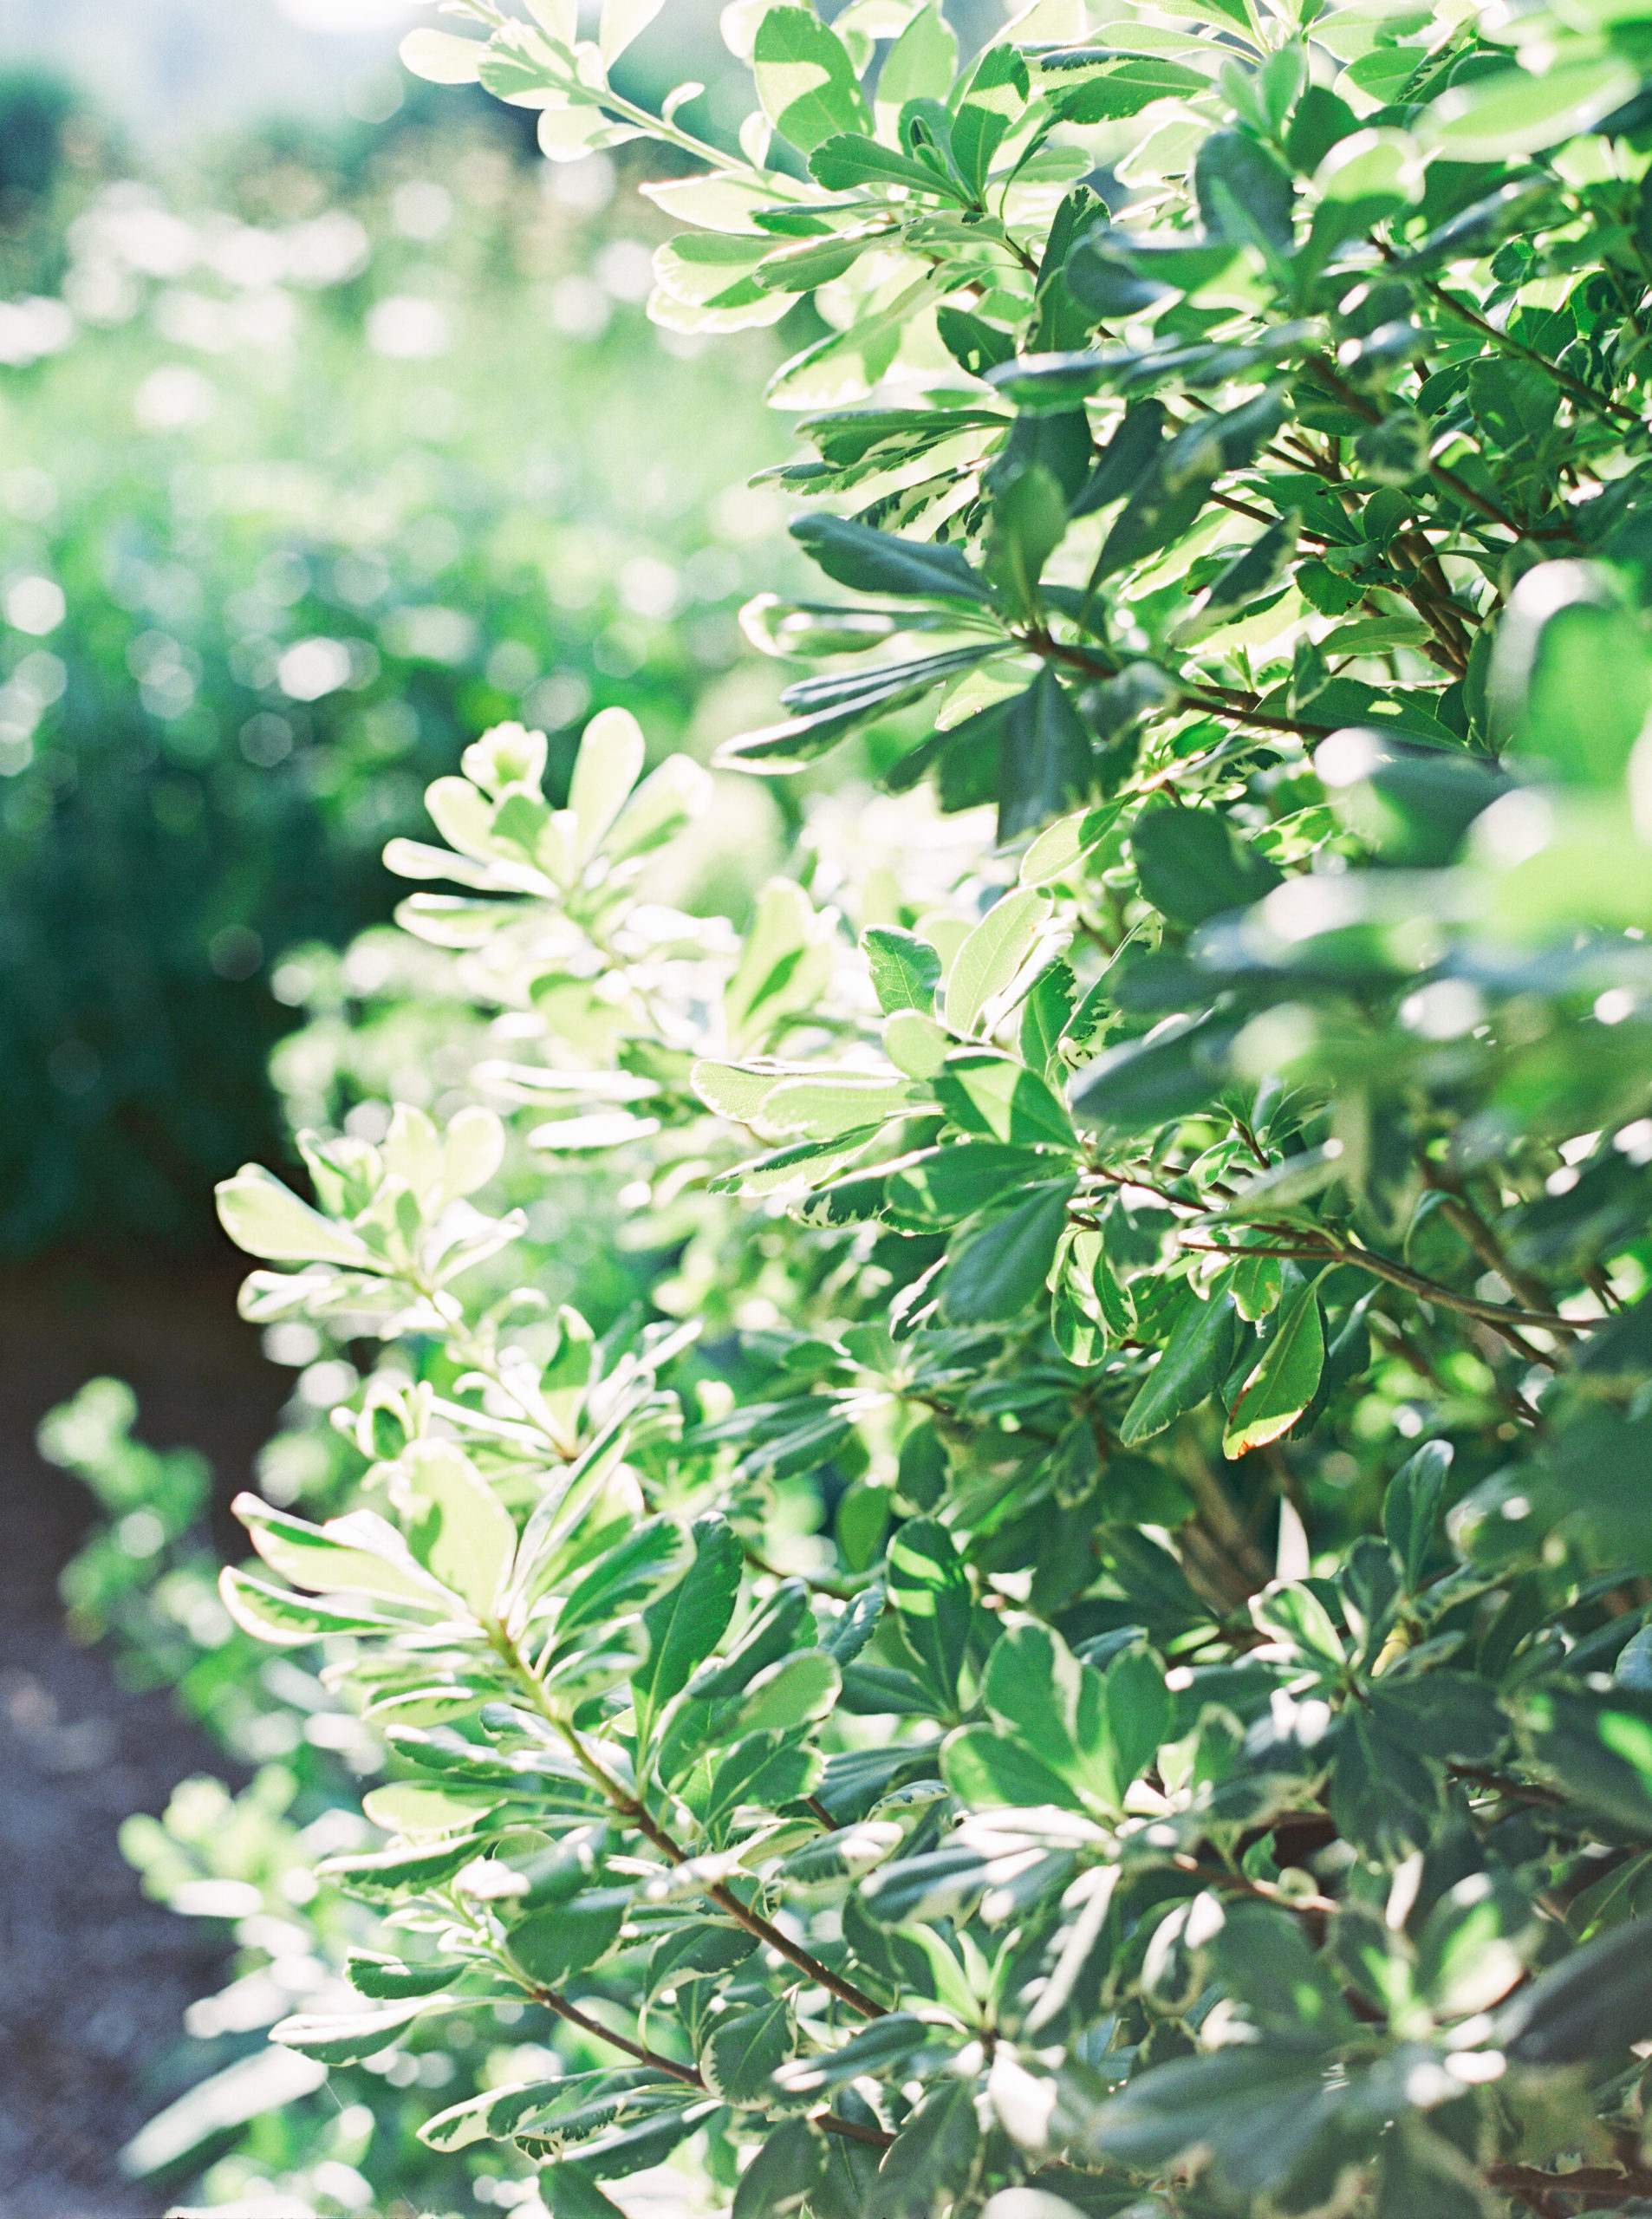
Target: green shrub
{"type": "Point", "coordinates": [1087, 1649]}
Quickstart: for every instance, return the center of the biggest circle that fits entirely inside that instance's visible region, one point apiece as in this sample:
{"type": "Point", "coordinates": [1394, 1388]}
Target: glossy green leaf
{"type": "Point", "coordinates": [805, 81]}
{"type": "Point", "coordinates": [1279, 1390]}
{"type": "Point", "coordinates": [994, 1272]}
{"type": "Point", "coordinates": [1196, 1360]}
{"type": "Point", "coordinates": [906, 970]}
{"type": "Point", "coordinates": [928, 1588]}
{"type": "Point", "coordinates": [686, 1623]}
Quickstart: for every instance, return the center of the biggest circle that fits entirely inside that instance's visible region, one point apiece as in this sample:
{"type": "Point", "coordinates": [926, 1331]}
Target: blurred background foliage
{"type": "Point", "coordinates": [318, 453]}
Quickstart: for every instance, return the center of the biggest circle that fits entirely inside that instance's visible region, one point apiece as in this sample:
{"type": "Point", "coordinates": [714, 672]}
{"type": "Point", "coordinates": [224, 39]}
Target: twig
{"type": "Point", "coordinates": [1599, 2187]}
{"type": "Point", "coordinates": [1462, 1214]}
{"type": "Point", "coordinates": [1512, 1791]}
{"type": "Point", "coordinates": [834, 2122]}
{"type": "Point", "coordinates": [1219, 1876]}
{"type": "Point", "coordinates": [1501, 339]}
{"type": "Point", "coordinates": [1301, 1246]}
{"type": "Point", "coordinates": [631, 1808]}
{"type": "Point", "coordinates": [1468, 495]}
{"type": "Point", "coordinates": [576, 2017]}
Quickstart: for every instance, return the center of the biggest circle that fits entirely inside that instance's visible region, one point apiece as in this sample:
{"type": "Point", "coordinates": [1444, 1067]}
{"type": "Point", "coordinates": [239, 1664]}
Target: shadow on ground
{"type": "Point", "coordinates": [95, 1979]}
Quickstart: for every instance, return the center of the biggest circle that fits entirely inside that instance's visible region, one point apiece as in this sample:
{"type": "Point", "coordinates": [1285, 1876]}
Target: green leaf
{"type": "Point", "coordinates": [1262, 1957]}
{"type": "Point", "coordinates": [1596, 1748]}
{"type": "Point", "coordinates": [1192, 865]}
{"type": "Point", "coordinates": [275, 1614]}
{"type": "Point", "coordinates": [1045, 1014]}
{"type": "Point", "coordinates": [932, 2158]}
{"type": "Point", "coordinates": [837, 1103]}
{"type": "Point", "coordinates": [459, 1526]}
{"type": "Point", "coordinates": [973, 344]}
{"type": "Point", "coordinates": [347, 2037]}
{"type": "Point", "coordinates": [1411, 1509]}
{"type": "Point", "coordinates": [623, 2150]}
{"type": "Point", "coordinates": [764, 1770]}
{"type": "Point", "coordinates": [990, 958]}
{"type": "Point", "coordinates": [1046, 761]}
{"type": "Point", "coordinates": [1281, 1387]}
{"type": "Point", "coordinates": [1256, 1282]}
{"type": "Point", "coordinates": [1255, 2107]}
{"type": "Point", "coordinates": [412, 1808]}
{"type": "Point", "coordinates": [804, 1687]}
{"type": "Point", "coordinates": [1001, 1099]}
{"type": "Point", "coordinates": [993, 100]}
{"type": "Point", "coordinates": [989, 1773]}
{"type": "Point", "coordinates": [805, 80]}
{"type": "Point", "coordinates": [685, 1625]}
{"type": "Point", "coordinates": [812, 261]}
{"type": "Point", "coordinates": [389, 1980]}
{"type": "Point", "coordinates": [929, 1588]}
{"type": "Point", "coordinates": [381, 1874]}
{"type": "Point", "coordinates": [906, 970]}
{"type": "Point", "coordinates": [744, 2052]}
{"type": "Point", "coordinates": [572, 2194]}
{"type": "Point", "coordinates": [946, 1186]}
{"type": "Point", "coordinates": [781, 2177]}
{"type": "Point", "coordinates": [877, 562]}
{"type": "Point", "coordinates": [992, 1274]}
{"type": "Point", "coordinates": [1173, 489]}
{"type": "Point", "coordinates": [1196, 1360]}
{"type": "Point", "coordinates": [609, 762]}
{"type": "Point", "coordinates": [921, 65]}
{"type": "Point", "coordinates": [1451, 1716]}
{"type": "Point", "coordinates": [829, 707]}
{"type": "Point", "coordinates": [1593, 2004]}
{"type": "Point", "coordinates": [785, 966]}
{"type": "Point", "coordinates": [492, 2115]}
{"type": "Point", "coordinates": [1081, 91]}
{"type": "Point", "coordinates": [1243, 194]}
{"type": "Point", "coordinates": [1029, 523]}
{"type": "Point", "coordinates": [1383, 1798]}
{"type": "Point", "coordinates": [1494, 118]}
{"type": "Point", "coordinates": [845, 162]}
{"type": "Point", "coordinates": [624, 1577]}
{"type": "Point", "coordinates": [878, 2050]}
{"type": "Point", "coordinates": [356, 1554]}
{"type": "Point", "coordinates": [1143, 1085]}
{"type": "Point", "coordinates": [1059, 850]}
{"type": "Point", "coordinates": [1039, 1691]}
{"type": "Point", "coordinates": [442, 59]}
{"type": "Point", "coordinates": [771, 1634]}
{"type": "Point", "coordinates": [568, 1937]}
{"type": "Point", "coordinates": [1571, 678]}
{"type": "Point", "coordinates": [267, 1220]}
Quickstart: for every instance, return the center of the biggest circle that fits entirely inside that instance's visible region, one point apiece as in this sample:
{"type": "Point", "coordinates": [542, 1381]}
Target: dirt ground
{"type": "Point", "coordinates": [95, 1979]}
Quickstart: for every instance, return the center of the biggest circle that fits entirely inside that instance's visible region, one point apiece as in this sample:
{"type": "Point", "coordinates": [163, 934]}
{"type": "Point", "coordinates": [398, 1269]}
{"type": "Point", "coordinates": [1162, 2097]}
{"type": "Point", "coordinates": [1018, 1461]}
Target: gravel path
{"type": "Point", "coordinates": [94, 1978]}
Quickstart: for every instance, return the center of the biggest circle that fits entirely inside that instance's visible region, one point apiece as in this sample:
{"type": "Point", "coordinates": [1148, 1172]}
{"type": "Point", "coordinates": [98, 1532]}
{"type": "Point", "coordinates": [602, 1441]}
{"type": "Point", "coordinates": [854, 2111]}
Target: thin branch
{"type": "Point", "coordinates": [834, 2122]}
{"type": "Point", "coordinates": [1470, 495]}
{"type": "Point", "coordinates": [576, 2017]}
{"type": "Point", "coordinates": [1301, 1246]}
{"type": "Point", "coordinates": [1512, 1791]}
{"type": "Point", "coordinates": [1599, 2187]}
{"type": "Point", "coordinates": [1462, 1214]}
{"type": "Point", "coordinates": [636, 1813]}
{"type": "Point", "coordinates": [1219, 1876]}
{"type": "Point", "coordinates": [1576, 386]}
{"type": "Point", "coordinates": [1241, 709]}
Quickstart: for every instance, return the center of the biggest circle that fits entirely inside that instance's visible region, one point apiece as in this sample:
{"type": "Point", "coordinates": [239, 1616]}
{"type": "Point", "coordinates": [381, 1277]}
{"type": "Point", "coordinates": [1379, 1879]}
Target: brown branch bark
{"type": "Point", "coordinates": [558, 2003]}
{"type": "Point", "coordinates": [1598, 2187]}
